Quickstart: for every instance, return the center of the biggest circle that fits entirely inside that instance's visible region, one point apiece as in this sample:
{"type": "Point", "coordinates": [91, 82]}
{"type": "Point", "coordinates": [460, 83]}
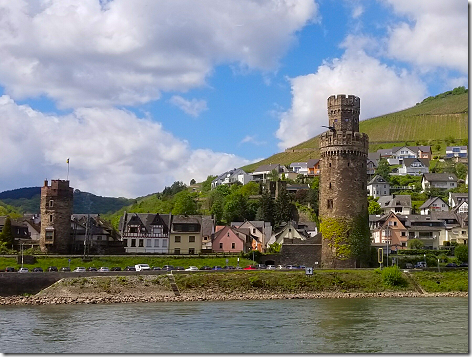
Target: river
{"type": "Point", "coordinates": [372, 325]}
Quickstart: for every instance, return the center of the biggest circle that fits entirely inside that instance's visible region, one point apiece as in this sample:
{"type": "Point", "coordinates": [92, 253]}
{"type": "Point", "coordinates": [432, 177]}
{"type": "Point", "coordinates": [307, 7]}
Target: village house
{"type": "Point", "coordinates": [229, 240]}
{"type": "Point", "coordinates": [378, 187]}
{"type": "Point", "coordinates": [433, 204]}
{"type": "Point", "coordinates": [231, 177]}
{"type": "Point", "coordinates": [455, 227]}
{"type": "Point", "coordinates": [372, 163]}
{"type": "Point", "coordinates": [308, 168]}
{"type": "Point", "coordinates": [145, 232]}
{"type": "Point", "coordinates": [459, 153]}
{"type": "Point", "coordinates": [263, 172]}
{"type": "Point", "coordinates": [396, 155]}
{"type": "Point", "coordinates": [96, 234]}
{"type": "Point", "coordinates": [185, 234]}
{"type": "Point", "coordinates": [444, 181]}
{"type": "Point", "coordinates": [389, 229]}
{"type": "Point", "coordinates": [426, 229]}
{"type": "Point", "coordinates": [289, 231]}
{"type": "Point", "coordinates": [399, 204]}
{"type": "Point", "coordinates": [261, 230]}
{"type": "Point", "coordinates": [459, 202]}
{"type": "Point", "coordinates": [414, 167]}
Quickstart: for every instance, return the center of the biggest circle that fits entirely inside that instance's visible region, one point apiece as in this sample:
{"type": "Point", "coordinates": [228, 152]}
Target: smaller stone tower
{"type": "Point", "coordinates": [344, 220]}
{"type": "Point", "coordinates": [56, 211]}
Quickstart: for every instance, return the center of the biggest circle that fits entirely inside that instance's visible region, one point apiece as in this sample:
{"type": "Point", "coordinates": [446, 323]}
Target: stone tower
{"type": "Point", "coordinates": [56, 211]}
{"type": "Point", "coordinates": [343, 213]}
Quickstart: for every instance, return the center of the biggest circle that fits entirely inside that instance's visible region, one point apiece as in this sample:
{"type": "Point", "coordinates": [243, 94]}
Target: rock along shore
{"type": "Point", "coordinates": [202, 296]}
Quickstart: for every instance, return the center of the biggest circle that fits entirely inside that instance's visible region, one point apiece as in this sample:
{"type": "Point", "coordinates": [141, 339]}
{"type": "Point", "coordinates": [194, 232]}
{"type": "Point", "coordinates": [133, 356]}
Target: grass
{"type": "Point", "coordinates": [451, 280]}
{"type": "Point", "coordinates": [123, 261]}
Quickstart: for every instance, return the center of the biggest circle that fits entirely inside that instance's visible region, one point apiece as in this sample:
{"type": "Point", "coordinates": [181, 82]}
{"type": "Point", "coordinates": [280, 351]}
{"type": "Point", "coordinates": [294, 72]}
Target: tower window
{"type": "Point", "coordinates": [348, 164]}
{"type": "Point", "coordinates": [50, 218]}
{"type": "Point", "coordinates": [51, 203]}
{"type": "Point", "coordinates": [329, 164]}
{"type": "Point", "coordinates": [329, 203]}
{"type": "Point", "coordinates": [330, 185]}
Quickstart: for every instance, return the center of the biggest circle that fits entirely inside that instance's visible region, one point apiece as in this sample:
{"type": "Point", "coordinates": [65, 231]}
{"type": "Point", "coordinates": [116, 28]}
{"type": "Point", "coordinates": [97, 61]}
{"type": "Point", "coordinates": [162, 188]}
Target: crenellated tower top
{"type": "Point", "coordinates": [343, 112]}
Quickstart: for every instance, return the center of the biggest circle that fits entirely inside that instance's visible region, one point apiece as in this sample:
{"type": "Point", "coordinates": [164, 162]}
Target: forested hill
{"type": "Point", "coordinates": [27, 200]}
{"type": "Point", "coordinates": [437, 121]}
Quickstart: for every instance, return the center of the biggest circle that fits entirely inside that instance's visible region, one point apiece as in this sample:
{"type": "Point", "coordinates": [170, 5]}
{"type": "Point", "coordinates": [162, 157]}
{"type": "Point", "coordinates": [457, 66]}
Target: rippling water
{"type": "Point", "coordinates": [406, 325]}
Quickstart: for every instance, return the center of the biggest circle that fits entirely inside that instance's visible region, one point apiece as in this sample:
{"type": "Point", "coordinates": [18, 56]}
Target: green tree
{"type": "Point", "coordinates": [249, 189]}
{"type": "Point", "coordinates": [374, 207]}
{"type": "Point", "coordinates": [217, 210]}
{"type": "Point", "coordinates": [266, 208]}
{"type": "Point", "coordinates": [274, 248]}
{"type": "Point", "coordinates": [384, 169]}
{"type": "Point", "coordinates": [415, 244]}
{"type": "Point", "coordinates": [235, 208]}
{"type": "Point", "coordinates": [273, 175]}
{"type": "Point", "coordinates": [461, 252]}
{"type": "Point", "coordinates": [185, 203]}
{"type": "Point", "coordinates": [6, 236]}
{"type": "Point", "coordinates": [206, 185]}
{"type": "Point", "coordinates": [283, 207]}
{"type": "Point", "coordinates": [193, 182]}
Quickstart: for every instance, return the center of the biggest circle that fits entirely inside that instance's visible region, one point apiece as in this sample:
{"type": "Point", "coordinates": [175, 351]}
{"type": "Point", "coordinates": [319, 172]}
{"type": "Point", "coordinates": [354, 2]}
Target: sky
{"type": "Point", "coordinates": [139, 94]}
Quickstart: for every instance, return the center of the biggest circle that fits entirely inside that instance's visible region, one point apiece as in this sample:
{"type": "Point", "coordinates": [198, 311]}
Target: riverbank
{"type": "Point", "coordinates": [221, 287]}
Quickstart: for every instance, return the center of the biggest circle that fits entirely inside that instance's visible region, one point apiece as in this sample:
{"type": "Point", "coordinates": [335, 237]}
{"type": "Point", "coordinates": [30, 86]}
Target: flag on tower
{"type": "Point", "coordinates": [67, 160]}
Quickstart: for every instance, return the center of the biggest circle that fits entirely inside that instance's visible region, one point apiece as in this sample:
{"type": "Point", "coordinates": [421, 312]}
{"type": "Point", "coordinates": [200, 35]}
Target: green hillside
{"type": "Point", "coordinates": [438, 120]}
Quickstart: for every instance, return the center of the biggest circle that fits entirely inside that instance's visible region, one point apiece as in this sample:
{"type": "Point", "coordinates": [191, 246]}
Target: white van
{"type": "Point", "coordinates": [140, 267]}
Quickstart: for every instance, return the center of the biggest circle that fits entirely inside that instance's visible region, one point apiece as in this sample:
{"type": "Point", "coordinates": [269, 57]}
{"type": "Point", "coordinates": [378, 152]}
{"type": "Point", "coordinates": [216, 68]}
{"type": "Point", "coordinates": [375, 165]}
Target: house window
{"type": "Point", "coordinates": [403, 244]}
{"type": "Point", "coordinates": [177, 239]}
{"type": "Point", "coordinates": [141, 242]}
{"type": "Point", "coordinates": [157, 230]}
{"type": "Point", "coordinates": [177, 251]}
{"type": "Point", "coordinates": [221, 245]}
{"type": "Point", "coordinates": [51, 203]}
{"type": "Point", "coordinates": [233, 245]}
{"type": "Point", "coordinates": [164, 243]}
{"type": "Point", "coordinates": [191, 239]}
{"type": "Point", "coordinates": [125, 242]}
{"type": "Point", "coordinates": [156, 243]}
{"type": "Point", "coordinates": [191, 251]}
{"type": "Point", "coordinates": [394, 223]}
{"type": "Point", "coordinates": [148, 243]}
{"type": "Point", "coordinates": [398, 209]}
{"type": "Point", "coordinates": [329, 203]}
{"type": "Point", "coordinates": [254, 230]}
{"type": "Point", "coordinates": [133, 242]}
{"type": "Point", "coordinates": [403, 234]}
{"type": "Point", "coordinates": [133, 230]}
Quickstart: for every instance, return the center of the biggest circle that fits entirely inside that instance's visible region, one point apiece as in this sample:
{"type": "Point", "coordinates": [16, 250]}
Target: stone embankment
{"type": "Point", "coordinates": [202, 296]}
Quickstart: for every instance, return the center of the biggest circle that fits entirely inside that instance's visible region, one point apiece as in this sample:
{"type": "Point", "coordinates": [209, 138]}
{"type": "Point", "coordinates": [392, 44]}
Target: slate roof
{"type": "Point", "coordinates": [408, 161]}
{"type": "Point", "coordinates": [430, 201]}
{"type": "Point", "coordinates": [458, 196]}
{"type": "Point", "coordinates": [394, 201]}
{"type": "Point", "coordinates": [207, 225]}
{"type": "Point", "coordinates": [443, 177]}
{"type": "Point", "coordinates": [146, 220]}
{"type": "Point", "coordinates": [312, 162]}
{"type": "Point", "coordinates": [377, 179]}
{"type": "Point", "coordinates": [270, 167]}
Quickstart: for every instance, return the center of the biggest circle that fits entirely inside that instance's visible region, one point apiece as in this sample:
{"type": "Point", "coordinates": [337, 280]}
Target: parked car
{"type": "Point", "coordinates": [279, 267]}
{"type": "Point", "coordinates": [205, 267]}
{"type": "Point", "coordinates": [451, 265]}
{"type": "Point", "coordinates": [9, 269]}
{"type": "Point", "coordinates": [420, 265]}
{"type": "Point", "coordinates": [92, 269]}
{"type": "Point", "coordinates": [409, 266]}
{"type": "Point", "coordinates": [38, 270]}
{"type": "Point", "coordinates": [129, 268]}
{"type": "Point", "coordinates": [52, 268]}
{"type": "Point", "coordinates": [179, 268]}
{"type": "Point", "coordinates": [79, 270]}
{"type": "Point", "coordinates": [261, 266]}
{"type": "Point", "coordinates": [115, 269]}
{"type": "Point", "coordinates": [65, 269]}
{"type": "Point", "coordinates": [156, 268]}
{"type": "Point", "coordinates": [270, 267]}
{"type": "Point", "coordinates": [23, 270]}
{"type": "Point", "coordinates": [104, 269]}
{"type": "Point", "coordinates": [250, 267]}
{"type": "Point", "coordinates": [192, 268]}
{"type": "Point", "coordinates": [217, 267]}
{"type": "Point", "coordinates": [141, 267]}
{"type": "Point", "coordinates": [229, 267]}
{"type": "Point", "coordinates": [292, 267]}
{"type": "Point", "coordinates": [464, 265]}
{"type": "Point", "coordinates": [168, 267]}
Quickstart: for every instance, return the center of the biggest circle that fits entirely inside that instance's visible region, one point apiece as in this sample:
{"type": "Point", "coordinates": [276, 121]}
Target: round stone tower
{"type": "Point", "coordinates": [56, 211]}
{"type": "Point", "coordinates": [343, 213]}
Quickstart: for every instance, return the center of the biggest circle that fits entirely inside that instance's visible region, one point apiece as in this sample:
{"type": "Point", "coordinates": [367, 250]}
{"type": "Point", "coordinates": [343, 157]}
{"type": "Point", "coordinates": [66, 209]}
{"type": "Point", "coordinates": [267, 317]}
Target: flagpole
{"type": "Point", "coordinates": [67, 169]}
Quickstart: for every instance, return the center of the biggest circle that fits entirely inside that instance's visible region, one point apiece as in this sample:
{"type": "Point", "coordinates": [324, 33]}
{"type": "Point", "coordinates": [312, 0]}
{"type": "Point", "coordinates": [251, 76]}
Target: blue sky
{"type": "Point", "coordinates": [141, 94]}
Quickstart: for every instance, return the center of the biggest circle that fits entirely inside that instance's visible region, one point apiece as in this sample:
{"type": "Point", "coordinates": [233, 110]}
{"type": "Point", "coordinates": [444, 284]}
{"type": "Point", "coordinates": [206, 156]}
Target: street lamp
{"type": "Point", "coordinates": [425, 261]}
{"type": "Point", "coordinates": [438, 266]}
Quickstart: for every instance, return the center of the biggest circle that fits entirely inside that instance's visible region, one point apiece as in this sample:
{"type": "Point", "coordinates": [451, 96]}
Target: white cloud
{"type": "Point", "coordinates": [127, 156]}
{"type": "Point", "coordinates": [192, 107]}
{"type": "Point", "coordinates": [251, 139]}
{"type": "Point", "coordinates": [436, 34]}
{"type": "Point", "coordinates": [83, 53]}
{"type": "Point", "coordinates": [381, 89]}
{"type": "Point", "coordinates": [357, 11]}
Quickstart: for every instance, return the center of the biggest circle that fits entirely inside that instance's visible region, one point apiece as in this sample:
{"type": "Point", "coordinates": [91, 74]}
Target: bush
{"type": "Point", "coordinates": [393, 277]}
{"type": "Point", "coordinates": [461, 252]}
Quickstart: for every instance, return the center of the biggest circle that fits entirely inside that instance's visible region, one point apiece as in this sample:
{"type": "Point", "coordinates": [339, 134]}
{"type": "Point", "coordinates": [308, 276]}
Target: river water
{"type": "Point", "coordinates": [382, 325]}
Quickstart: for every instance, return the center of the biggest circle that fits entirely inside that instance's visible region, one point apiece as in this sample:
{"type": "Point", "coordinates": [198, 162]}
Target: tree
{"type": "Point", "coordinates": [235, 208]}
{"type": "Point", "coordinates": [415, 244]}
{"type": "Point", "coordinates": [193, 182]}
{"type": "Point", "coordinates": [206, 185]}
{"type": "Point", "coordinates": [176, 187]}
{"type": "Point", "coordinates": [374, 207]}
{"type": "Point", "coordinates": [266, 208]}
{"type": "Point", "coordinates": [274, 248]}
{"type": "Point", "coordinates": [273, 175]}
{"type": "Point", "coordinates": [461, 252]}
{"type": "Point", "coordinates": [283, 207]}
{"type": "Point", "coordinates": [185, 203]}
{"type": "Point", "coordinates": [383, 169]}
{"type": "Point", "coordinates": [6, 236]}
{"type": "Point", "coordinates": [217, 210]}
